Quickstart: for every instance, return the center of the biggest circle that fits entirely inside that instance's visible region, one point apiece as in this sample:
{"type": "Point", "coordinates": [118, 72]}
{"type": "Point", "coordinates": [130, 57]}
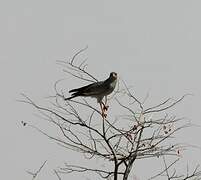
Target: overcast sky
{"type": "Point", "coordinates": [155, 46]}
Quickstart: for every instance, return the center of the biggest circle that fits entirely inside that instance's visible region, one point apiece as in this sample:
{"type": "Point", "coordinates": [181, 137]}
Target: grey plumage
{"type": "Point", "coordinates": [97, 90]}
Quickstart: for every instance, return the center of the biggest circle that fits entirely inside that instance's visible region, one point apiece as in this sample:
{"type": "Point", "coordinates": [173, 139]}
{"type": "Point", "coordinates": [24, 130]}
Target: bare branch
{"type": "Point", "coordinates": [152, 109]}
{"type": "Point", "coordinates": [35, 174]}
{"type": "Point", "coordinates": [57, 174]}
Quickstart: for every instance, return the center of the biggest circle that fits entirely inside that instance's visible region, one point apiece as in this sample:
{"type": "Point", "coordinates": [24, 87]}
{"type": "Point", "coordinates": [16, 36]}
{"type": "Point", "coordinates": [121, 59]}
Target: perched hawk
{"type": "Point", "coordinates": [96, 90]}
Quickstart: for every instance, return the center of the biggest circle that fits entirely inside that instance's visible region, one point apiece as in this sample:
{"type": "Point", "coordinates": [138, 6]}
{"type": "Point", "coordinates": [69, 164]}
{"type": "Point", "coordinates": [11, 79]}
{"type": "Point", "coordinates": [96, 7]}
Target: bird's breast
{"type": "Point", "coordinates": [111, 87]}
{"type": "Point", "coordinates": [113, 84]}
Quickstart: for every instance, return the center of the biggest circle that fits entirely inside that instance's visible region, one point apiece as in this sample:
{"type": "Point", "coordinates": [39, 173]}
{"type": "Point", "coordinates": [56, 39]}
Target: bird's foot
{"type": "Point", "coordinates": [104, 115]}
{"type": "Point", "coordinates": [105, 108]}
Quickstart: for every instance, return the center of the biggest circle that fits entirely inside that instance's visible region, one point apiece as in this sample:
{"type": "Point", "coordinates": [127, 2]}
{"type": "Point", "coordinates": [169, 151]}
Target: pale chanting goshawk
{"type": "Point", "coordinates": [97, 90]}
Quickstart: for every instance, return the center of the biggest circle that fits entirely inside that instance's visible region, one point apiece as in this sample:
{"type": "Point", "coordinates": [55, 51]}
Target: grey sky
{"type": "Point", "coordinates": [155, 46]}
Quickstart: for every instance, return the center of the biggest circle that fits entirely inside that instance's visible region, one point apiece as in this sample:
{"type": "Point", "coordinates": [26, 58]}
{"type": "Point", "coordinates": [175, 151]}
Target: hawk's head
{"type": "Point", "coordinates": [113, 75]}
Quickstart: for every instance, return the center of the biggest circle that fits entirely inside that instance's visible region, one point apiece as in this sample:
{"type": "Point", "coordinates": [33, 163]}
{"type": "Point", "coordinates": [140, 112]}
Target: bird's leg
{"type": "Point", "coordinates": [105, 106]}
{"type": "Point", "coordinates": [102, 110]}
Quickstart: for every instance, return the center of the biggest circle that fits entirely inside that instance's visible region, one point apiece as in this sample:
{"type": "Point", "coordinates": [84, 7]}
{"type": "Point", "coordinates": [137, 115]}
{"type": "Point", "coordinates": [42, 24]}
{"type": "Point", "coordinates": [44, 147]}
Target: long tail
{"type": "Point", "coordinates": [80, 89]}
{"type": "Point", "coordinates": [73, 96]}
{"type": "Point", "coordinates": [73, 90]}
{"type": "Point", "coordinates": [69, 98]}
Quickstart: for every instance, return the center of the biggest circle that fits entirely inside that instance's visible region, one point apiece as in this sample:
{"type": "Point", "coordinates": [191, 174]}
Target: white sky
{"type": "Point", "coordinates": [155, 46]}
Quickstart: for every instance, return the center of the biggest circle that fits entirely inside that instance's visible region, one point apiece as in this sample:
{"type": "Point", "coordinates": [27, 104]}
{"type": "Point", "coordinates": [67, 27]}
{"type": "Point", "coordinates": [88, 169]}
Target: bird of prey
{"type": "Point", "coordinates": [97, 90]}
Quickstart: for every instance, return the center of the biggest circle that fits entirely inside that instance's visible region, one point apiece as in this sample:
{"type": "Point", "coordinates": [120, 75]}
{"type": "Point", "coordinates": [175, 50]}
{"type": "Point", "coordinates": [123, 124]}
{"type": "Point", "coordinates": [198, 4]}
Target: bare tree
{"type": "Point", "coordinates": [146, 132]}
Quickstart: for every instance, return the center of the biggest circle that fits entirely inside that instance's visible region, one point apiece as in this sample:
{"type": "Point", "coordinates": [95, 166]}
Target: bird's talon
{"type": "Point", "coordinates": [104, 115]}
{"type": "Point", "coordinates": [105, 108]}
